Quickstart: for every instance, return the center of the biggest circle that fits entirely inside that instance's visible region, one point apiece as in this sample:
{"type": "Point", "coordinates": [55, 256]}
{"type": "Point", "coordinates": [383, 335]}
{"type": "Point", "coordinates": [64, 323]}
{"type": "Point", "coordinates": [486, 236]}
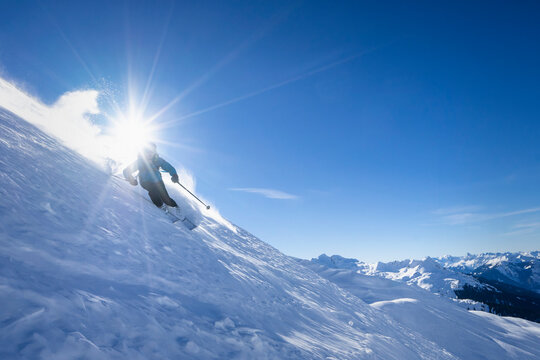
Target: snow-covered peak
{"type": "Point", "coordinates": [336, 261]}
{"type": "Point", "coordinates": [521, 269]}
{"type": "Point", "coordinates": [428, 264]}
{"type": "Point", "coordinates": [470, 262]}
{"type": "Point", "coordinates": [389, 266]}
{"type": "Point", "coordinates": [427, 273]}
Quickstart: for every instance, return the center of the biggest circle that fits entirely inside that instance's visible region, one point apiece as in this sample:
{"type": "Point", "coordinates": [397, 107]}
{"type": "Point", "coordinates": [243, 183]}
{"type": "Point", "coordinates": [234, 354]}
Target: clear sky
{"type": "Point", "coordinates": [371, 129]}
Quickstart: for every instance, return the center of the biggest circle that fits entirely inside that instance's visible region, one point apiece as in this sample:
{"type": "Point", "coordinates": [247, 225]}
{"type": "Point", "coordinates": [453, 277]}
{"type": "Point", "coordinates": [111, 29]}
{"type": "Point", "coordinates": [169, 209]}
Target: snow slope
{"type": "Point", "coordinates": [90, 269]}
{"type": "Point", "coordinates": [464, 334]}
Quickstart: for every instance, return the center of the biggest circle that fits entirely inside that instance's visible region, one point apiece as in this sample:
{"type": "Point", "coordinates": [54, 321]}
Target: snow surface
{"type": "Point", "coordinates": [464, 334]}
{"type": "Point", "coordinates": [90, 269]}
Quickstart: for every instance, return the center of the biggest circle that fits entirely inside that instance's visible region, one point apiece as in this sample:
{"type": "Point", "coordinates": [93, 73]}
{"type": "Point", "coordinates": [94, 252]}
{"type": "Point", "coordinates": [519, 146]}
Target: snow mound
{"type": "Point", "coordinates": [381, 304]}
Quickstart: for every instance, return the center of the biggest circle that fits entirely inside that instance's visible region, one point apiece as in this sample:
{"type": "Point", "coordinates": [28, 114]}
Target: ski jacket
{"type": "Point", "coordinates": [148, 169]}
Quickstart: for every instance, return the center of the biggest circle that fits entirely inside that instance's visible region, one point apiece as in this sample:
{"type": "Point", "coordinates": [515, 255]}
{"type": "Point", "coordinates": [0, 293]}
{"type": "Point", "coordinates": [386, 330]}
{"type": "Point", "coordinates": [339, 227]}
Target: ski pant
{"type": "Point", "coordinates": [158, 193]}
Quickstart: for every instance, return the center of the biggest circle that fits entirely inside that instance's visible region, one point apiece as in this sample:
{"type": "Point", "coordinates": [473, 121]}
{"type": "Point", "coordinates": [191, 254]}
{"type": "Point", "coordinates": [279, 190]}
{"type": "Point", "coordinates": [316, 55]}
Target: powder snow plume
{"type": "Point", "coordinates": [67, 119]}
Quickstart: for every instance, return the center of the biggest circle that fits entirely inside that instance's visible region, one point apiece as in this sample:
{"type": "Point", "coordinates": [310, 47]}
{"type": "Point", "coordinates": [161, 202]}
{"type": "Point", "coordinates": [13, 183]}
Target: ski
{"type": "Point", "coordinates": [185, 221]}
{"type": "Point", "coordinates": [174, 218]}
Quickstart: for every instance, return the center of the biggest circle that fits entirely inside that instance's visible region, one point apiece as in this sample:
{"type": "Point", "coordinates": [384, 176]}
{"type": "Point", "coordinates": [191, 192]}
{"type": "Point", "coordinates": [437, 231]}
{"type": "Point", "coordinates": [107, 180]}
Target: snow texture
{"type": "Point", "coordinates": [90, 269]}
{"type": "Point", "coordinates": [463, 334]}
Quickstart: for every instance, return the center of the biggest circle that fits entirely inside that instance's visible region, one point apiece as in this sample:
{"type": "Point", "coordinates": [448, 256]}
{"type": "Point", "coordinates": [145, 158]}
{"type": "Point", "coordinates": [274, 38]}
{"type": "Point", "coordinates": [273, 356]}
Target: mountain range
{"type": "Point", "coordinates": [502, 283]}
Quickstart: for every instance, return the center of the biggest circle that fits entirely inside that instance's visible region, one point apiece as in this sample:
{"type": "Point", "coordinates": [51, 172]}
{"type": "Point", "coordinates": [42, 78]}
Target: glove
{"type": "Point", "coordinates": [174, 178]}
{"type": "Point", "coordinates": [133, 182]}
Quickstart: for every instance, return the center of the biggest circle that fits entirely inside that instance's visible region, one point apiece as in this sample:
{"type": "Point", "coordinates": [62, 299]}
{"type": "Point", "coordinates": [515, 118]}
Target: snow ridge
{"type": "Point", "coordinates": [521, 269]}
{"type": "Point", "coordinates": [428, 273]}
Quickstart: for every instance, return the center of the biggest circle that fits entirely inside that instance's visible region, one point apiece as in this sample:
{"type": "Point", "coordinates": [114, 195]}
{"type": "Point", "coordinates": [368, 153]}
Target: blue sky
{"type": "Point", "coordinates": [375, 130]}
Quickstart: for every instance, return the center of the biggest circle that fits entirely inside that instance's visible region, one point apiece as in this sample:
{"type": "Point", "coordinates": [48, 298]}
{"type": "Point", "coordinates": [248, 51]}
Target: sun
{"type": "Point", "coordinates": [129, 135]}
{"type": "Point", "coordinates": [132, 135]}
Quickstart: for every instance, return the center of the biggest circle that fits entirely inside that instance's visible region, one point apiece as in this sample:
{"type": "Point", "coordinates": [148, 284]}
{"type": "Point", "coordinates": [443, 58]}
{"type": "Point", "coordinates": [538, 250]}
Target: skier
{"type": "Point", "coordinates": [148, 164]}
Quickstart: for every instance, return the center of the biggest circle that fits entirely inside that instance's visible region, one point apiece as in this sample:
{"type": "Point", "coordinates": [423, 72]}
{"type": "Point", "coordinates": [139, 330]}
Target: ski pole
{"type": "Point", "coordinates": [207, 206]}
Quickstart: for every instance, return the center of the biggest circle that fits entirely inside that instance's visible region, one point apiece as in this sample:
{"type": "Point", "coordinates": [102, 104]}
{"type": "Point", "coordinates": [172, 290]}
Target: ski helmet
{"type": "Point", "coordinates": [149, 150]}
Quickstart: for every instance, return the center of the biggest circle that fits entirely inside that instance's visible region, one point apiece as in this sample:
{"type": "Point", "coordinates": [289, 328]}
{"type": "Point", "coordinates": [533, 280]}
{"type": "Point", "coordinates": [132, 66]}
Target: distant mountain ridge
{"type": "Point", "coordinates": [503, 283]}
{"type": "Point", "coordinates": [520, 269]}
